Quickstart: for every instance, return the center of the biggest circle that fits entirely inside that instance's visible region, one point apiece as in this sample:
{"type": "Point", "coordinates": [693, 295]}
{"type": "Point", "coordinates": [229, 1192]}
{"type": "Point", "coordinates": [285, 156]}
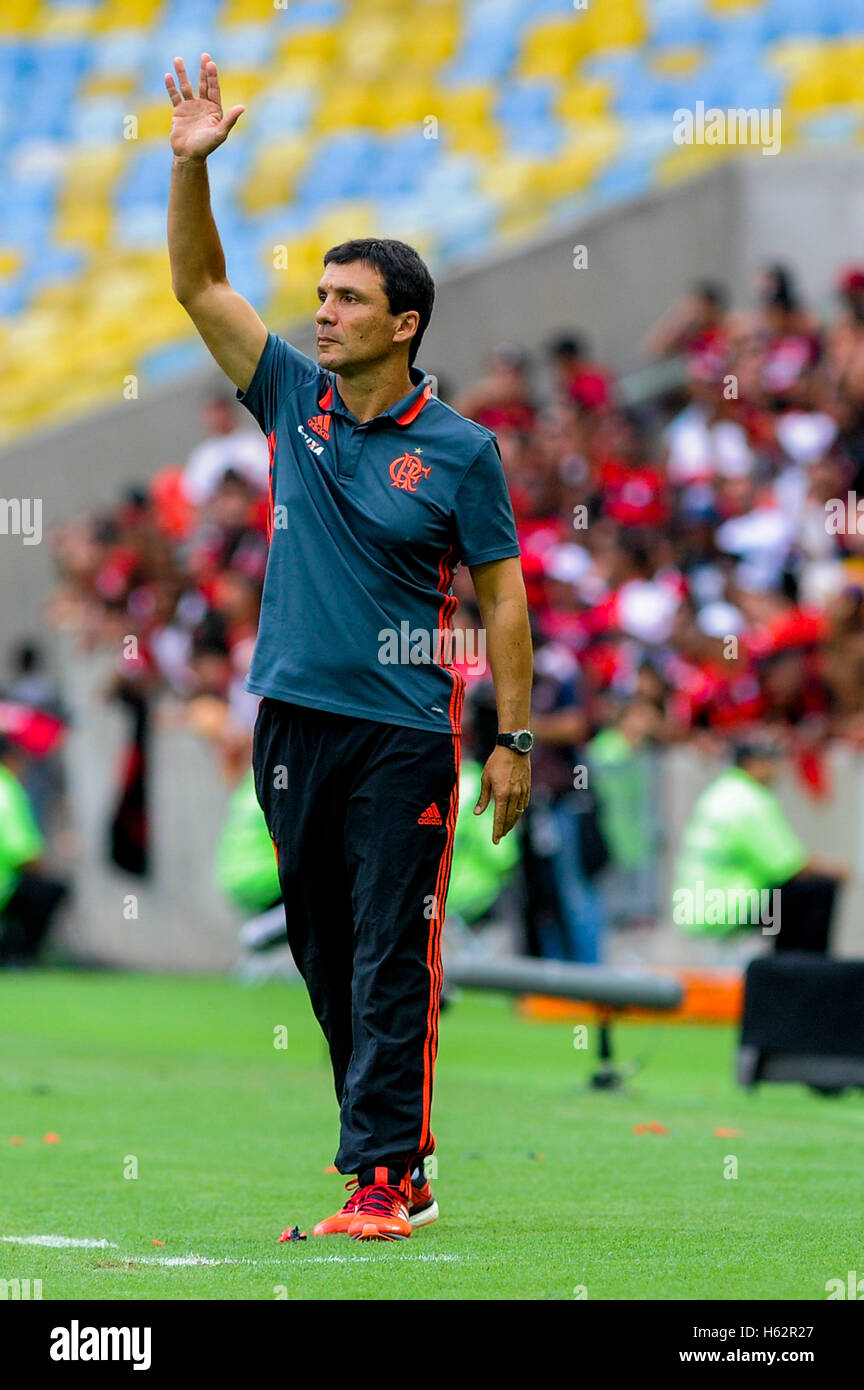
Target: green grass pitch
{"type": "Point", "coordinates": [544, 1187]}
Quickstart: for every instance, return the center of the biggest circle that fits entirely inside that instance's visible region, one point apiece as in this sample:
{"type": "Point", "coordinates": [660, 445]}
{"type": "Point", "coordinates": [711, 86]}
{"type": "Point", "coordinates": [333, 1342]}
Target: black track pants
{"type": "Point", "coordinates": [362, 815]}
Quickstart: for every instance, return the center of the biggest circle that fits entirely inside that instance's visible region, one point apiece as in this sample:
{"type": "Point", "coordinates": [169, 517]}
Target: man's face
{"type": "Point", "coordinates": [354, 325]}
{"type": "Point", "coordinates": [762, 768]}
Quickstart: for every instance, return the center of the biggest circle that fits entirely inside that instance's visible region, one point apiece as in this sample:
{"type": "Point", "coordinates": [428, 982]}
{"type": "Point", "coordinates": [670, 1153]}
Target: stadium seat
{"type": "Point", "coordinates": [538, 107]}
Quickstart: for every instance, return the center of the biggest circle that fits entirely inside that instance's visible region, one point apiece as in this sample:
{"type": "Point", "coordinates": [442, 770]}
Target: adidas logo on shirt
{"type": "Point", "coordinates": [321, 425]}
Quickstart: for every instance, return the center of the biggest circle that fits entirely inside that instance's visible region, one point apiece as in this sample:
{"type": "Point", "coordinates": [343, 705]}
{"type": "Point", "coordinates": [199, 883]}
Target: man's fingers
{"type": "Point", "coordinates": [183, 79]}
{"type": "Point", "coordinates": [202, 76]}
{"type": "Point", "coordinates": [176, 99]}
{"type": "Point", "coordinates": [231, 119]}
{"type": "Point", "coordinates": [212, 91]}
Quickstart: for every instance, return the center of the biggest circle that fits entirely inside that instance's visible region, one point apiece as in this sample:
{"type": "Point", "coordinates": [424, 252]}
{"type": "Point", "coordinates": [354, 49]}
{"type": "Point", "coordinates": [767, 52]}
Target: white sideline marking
{"type": "Point", "coordinates": [61, 1242]}
{"type": "Point", "coordinates": [358, 1259]}
{"type": "Point", "coordinates": [185, 1261]}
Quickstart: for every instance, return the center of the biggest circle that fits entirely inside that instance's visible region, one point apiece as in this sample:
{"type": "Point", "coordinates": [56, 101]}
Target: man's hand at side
{"type": "Point", "coordinates": [507, 779]}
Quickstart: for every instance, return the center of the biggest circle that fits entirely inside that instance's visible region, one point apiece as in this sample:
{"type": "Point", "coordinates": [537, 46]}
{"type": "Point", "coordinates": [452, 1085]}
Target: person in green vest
{"type": "Point", "coordinates": [480, 869]}
{"type": "Point", "coordinates": [29, 898]}
{"type": "Point", "coordinates": [741, 865]}
{"type": "Point", "coordinates": [623, 774]}
{"type": "Point", "coordinates": [246, 869]}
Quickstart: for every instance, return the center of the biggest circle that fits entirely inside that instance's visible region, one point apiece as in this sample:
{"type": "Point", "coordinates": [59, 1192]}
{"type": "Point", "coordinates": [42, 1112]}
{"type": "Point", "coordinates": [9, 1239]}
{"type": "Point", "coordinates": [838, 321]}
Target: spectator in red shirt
{"type": "Point", "coordinates": [695, 328]}
{"type": "Point", "coordinates": [633, 490]}
{"type": "Point", "coordinates": [502, 398]}
{"type": "Point", "coordinates": [577, 378]}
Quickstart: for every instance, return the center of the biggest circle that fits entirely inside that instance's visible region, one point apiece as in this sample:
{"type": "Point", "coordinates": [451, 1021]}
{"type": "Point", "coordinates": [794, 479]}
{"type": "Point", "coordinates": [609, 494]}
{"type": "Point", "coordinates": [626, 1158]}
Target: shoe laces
{"type": "Point", "coordinates": [351, 1202]}
{"type": "Point", "coordinates": [378, 1199]}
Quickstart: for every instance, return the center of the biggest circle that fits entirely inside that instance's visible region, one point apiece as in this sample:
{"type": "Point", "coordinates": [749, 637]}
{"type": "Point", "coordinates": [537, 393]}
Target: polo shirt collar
{"type": "Point", "coordinates": [403, 412]}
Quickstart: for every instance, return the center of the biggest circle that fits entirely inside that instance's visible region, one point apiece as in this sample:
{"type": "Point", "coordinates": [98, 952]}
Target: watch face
{"type": "Point", "coordinates": [523, 741]}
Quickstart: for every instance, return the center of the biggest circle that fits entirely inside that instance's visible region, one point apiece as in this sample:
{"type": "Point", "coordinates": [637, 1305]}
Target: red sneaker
{"type": "Point", "coordinates": [338, 1225]}
{"type": "Point", "coordinates": [382, 1213]}
{"type": "Point", "coordinates": [422, 1207]}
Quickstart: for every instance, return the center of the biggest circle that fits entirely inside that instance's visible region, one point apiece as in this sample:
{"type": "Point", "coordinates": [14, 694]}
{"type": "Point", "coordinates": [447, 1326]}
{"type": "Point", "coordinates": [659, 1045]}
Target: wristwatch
{"type": "Point", "coordinates": [522, 741]}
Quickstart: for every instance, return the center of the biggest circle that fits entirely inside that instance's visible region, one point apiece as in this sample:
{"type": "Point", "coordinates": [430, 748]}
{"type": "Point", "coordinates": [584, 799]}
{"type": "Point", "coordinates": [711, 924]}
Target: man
{"type": "Point", "coordinates": [226, 447]}
{"type": "Point", "coordinates": [28, 898]}
{"type": "Point", "coordinates": [741, 863]}
{"type": "Point", "coordinates": [378, 491]}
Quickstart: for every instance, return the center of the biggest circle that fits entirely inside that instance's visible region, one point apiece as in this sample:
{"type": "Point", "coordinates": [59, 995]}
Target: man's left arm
{"type": "Point", "coordinates": [503, 606]}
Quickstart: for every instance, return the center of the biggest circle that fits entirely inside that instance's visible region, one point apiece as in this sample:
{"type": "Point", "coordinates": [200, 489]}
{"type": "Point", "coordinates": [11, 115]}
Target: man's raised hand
{"type": "Point", "coordinates": [198, 125]}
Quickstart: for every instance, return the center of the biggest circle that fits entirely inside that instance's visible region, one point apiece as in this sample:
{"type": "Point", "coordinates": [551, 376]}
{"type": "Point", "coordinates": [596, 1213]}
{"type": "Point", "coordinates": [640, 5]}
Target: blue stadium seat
{"type": "Point", "coordinates": [127, 50]}
{"type": "Point", "coordinates": [174, 360]}
{"type": "Point", "coordinates": [243, 46]}
{"type": "Point", "coordinates": [311, 14]}
{"type": "Point", "coordinates": [467, 228]}
{"type": "Point", "coordinates": [628, 178]}
{"type": "Point", "coordinates": [678, 23]}
{"type": "Point", "coordinates": [793, 18]}
{"type": "Point", "coordinates": [338, 168]}
{"type": "Point", "coordinates": [280, 112]}
{"type": "Point", "coordinates": [52, 263]}
{"type": "Point", "coordinates": [526, 101]}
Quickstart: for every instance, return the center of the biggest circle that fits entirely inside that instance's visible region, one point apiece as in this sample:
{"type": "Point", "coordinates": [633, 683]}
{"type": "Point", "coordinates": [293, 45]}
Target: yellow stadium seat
{"type": "Point", "coordinates": [509, 179]}
{"type": "Point", "coordinates": [402, 104]}
{"type": "Point", "coordinates": [308, 45]}
{"type": "Point", "coordinates": [92, 172]}
{"type": "Point", "coordinates": [108, 84]}
{"type": "Point", "coordinates": [613, 24]}
{"type": "Point", "coordinates": [290, 303]}
{"type": "Point", "coordinates": [343, 221]}
{"type": "Point", "coordinates": [678, 62]}
{"type": "Point", "coordinates": [589, 148]}
{"type": "Point", "coordinates": [466, 104]}
{"type": "Point", "coordinates": [251, 11]}
{"type": "Point", "coordinates": [87, 225]}
{"type": "Point", "coordinates": [431, 42]}
{"type": "Point", "coordinates": [126, 14]}
{"type": "Point", "coordinates": [820, 85]}
{"type": "Point", "coordinates": [272, 174]}
{"type": "Point", "coordinates": [466, 137]}
{"type": "Point", "coordinates": [466, 119]}
{"type": "Point", "coordinates": [153, 119]}
{"type": "Point", "coordinates": [346, 107]}
{"type": "Point", "coordinates": [67, 21]}
{"type": "Point", "coordinates": [583, 98]}
{"type": "Point", "coordinates": [792, 56]}
{"type": "Point", "coordinates": [551, 48]}
{"type": "Point", "coordinates": [18, 17]}
{"type": "Point", "coordinates": [10, 260]}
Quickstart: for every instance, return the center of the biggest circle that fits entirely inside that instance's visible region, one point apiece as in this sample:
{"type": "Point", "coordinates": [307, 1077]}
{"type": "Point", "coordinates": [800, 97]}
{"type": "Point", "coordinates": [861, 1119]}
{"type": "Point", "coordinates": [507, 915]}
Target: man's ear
{"type": "Point", "coordinates": [408, 327]}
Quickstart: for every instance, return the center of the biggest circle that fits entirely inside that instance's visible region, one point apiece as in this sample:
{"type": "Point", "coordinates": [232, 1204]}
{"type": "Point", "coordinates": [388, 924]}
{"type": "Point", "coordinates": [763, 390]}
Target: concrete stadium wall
{"type": "Point", "coordinates": [183, 923]}
{"type": "Point", "coordinates": [808, 209]}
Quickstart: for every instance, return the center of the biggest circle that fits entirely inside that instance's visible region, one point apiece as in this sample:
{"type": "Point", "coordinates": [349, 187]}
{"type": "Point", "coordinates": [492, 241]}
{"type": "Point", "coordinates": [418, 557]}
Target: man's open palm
{"type": "Point", "coordinates": [198, 125]}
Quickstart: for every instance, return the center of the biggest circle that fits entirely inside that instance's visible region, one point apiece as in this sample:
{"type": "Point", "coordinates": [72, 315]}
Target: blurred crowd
{"type": "Point", "coordinates": [693, 563]}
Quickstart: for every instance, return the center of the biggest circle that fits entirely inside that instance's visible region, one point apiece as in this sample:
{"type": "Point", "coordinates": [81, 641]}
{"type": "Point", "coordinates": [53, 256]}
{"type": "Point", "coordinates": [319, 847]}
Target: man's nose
{"type": "Point", "coordinates": [325, 313]}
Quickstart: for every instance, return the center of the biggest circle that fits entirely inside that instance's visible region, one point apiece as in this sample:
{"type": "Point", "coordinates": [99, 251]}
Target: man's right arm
{"type": "Point", "coordinates": [228, 324]}
{"type": "Point", "coordinates": [230, 327]}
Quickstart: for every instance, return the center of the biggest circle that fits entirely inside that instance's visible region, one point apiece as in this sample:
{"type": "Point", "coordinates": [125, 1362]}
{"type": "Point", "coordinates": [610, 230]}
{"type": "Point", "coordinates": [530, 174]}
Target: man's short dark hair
{"type": "Point", "coordinates": [407, 282]}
